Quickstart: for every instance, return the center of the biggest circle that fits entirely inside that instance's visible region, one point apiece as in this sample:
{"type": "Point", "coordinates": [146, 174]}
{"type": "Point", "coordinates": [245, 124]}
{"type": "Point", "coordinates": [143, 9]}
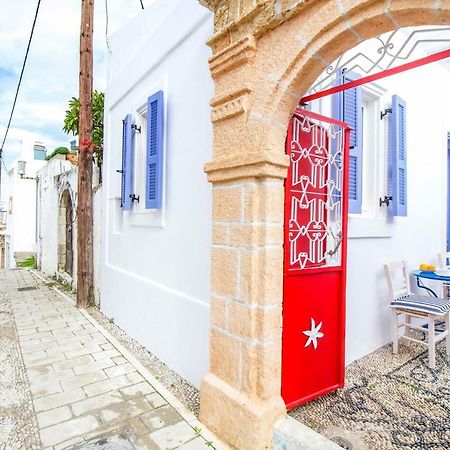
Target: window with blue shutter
{"type": "Point", "coordinates": [397, 176]}
{"type": "Point", "coordinates": [347, 107]}
{"type": "Point", "coordinates": [155, 145]}
{"type": "Point", "coordinates": [127, 162]}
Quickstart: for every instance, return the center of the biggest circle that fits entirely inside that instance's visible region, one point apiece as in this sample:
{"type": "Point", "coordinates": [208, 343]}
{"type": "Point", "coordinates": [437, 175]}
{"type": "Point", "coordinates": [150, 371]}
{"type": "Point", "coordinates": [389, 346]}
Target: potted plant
{"type": "Point", "coordinates": [57, 151]}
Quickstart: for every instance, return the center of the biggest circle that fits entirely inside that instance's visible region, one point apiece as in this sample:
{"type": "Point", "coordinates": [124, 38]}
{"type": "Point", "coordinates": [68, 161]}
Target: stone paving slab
{"type": "Point", "coordinates": [84, 390]}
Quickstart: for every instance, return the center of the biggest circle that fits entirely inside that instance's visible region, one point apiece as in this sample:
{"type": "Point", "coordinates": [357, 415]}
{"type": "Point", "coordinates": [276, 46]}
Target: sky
{"type": "Point", "coordinates": [51, 74]}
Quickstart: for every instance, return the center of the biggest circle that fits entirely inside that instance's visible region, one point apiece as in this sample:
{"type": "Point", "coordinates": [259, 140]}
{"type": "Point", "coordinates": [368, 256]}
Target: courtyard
{"type": "Point", "coordinates": [388, 402]}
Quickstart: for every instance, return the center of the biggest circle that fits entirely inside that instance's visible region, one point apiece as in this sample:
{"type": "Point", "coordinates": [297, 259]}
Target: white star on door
{"type": "Point", "coordinates": [313, 334]}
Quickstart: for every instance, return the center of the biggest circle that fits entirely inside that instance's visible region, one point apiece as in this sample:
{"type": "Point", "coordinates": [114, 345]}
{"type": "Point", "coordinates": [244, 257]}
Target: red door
{"type": "Point", "coordinates": [314, 257]}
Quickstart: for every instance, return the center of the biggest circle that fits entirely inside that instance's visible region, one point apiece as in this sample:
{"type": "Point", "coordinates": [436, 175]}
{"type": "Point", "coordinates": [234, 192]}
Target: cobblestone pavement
{"type": "Point", "coordinates": [66, 383]}
{"type": "Point", "coordinates": [18, 425]}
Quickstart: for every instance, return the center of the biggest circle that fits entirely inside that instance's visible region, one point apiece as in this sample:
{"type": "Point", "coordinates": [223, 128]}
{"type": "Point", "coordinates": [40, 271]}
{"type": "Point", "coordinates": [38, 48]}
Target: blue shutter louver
{"type": "Point", "coordinates": [127, 163]}
{"type": "Point", "coordinates": [155, 145]}
{"type": "Point", "coordinates": [397, 174]}
{"type": "Point", "coordinates": [347, 107]}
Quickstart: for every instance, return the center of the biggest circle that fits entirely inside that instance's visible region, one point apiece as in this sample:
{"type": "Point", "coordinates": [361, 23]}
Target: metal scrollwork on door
{"type": "Point", "coordinates": [316, 185]}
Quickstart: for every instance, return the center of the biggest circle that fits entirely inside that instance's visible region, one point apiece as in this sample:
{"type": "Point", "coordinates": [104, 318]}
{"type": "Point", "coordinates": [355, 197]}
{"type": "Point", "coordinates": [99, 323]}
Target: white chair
{"type": "Point", "coordinates": [444, 261]}
{"type": "Point", "coordinates": [404, 302]}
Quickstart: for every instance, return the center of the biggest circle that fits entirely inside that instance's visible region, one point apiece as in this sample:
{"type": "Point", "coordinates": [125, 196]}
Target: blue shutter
{"type": "Point", "coordinates": [397, 179]}
{"type": "Point", "coordinates": [347, 107]}
{"type": "Point", "coordinates": [127, 162]}
{"type": "Point", "coordinates": [155, 145]}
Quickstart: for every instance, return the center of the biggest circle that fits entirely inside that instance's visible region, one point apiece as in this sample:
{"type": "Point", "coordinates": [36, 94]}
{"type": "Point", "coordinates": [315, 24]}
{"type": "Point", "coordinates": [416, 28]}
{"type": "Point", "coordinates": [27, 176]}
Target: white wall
{"type": "Point", "coordinates": [55, 177]}
{"type": "Point", "coordinates": [156, 266]}
{"type": "Point", "coordinates": [9, 230]}
{"type": "Point", "coordinates": [97, 218]}
{"type": "Point", "coordinates": [51, 188]}
{"type": "Point", "coordinates": [376, 239]}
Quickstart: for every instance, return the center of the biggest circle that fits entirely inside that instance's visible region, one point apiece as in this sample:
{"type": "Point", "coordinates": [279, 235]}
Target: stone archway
{"type": "Point", "coordinates": [266, 54]}
{"type": "Point", "coordinates": [65, 234]}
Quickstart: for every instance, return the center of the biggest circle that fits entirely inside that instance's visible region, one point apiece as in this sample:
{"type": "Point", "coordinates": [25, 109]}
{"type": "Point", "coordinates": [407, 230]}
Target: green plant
{"type": "Point", "coordinates": [71, 120]}
{"type": "Point", "coordinates": [28, 263]}
{"type": "Point", "coordinates": [58, 151]}
{"type": "Point", "coordinates": [91, 299]}
{"type": "Point", "coordinates": [111, 320]}
{"type": "Point", "coordinates": [65, 287]}
{"type": "Point", "coordinates": [197, 430]}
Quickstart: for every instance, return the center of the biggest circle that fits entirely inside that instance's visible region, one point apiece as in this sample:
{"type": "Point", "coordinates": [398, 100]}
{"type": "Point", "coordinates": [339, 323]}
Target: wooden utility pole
{"type": "Point", "coordinates": [84, 208]}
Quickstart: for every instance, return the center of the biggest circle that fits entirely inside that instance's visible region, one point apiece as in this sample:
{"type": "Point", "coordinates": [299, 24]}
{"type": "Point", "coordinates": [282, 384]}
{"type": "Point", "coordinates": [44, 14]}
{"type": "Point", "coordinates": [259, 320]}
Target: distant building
{"type": "Point", "coordinates": [57, 220]}
{"type": "Point", "coordinates": [40, 153]}
{"type": "Point", "coordinates": [19, 196]}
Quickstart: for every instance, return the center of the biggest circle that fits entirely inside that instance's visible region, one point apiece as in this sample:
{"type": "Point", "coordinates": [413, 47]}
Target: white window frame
{"type": "Point", "coordinates": [371, 222]}
{"type": "Point", "coordinates": [373, 156]}
{"type": "Point", "coordinates": [139, 215]}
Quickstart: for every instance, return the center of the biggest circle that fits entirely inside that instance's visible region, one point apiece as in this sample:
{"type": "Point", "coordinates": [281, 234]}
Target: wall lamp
{"type": "Point", "coordinates": [21, 171]}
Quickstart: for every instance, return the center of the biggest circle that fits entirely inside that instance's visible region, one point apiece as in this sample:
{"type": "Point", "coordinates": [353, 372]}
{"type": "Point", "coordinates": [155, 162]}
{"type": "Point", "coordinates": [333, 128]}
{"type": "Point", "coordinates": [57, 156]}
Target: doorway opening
{"type": "Point", "coordinates": [397, 194]}
{"type": "Point", "coordinates": [65, 234]}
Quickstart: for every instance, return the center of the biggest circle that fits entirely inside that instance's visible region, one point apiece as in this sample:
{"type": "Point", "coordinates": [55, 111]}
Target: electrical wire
{"type": "Point", "coordinates": [20, 78]}
{"type": "Point", "coordinates": [142, 5]}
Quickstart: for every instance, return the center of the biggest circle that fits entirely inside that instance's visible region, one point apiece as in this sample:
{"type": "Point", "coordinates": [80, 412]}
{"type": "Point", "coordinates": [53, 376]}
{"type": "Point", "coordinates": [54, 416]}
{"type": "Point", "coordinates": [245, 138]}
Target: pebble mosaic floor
{"type": "Point", "coordinates": [388, 402]}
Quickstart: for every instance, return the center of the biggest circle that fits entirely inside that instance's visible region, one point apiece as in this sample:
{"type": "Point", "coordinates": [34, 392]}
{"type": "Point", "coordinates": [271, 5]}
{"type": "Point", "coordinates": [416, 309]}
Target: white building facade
{"type": "Point", "coordinates": [157, 202]}
{"type": "Point", "coordinates": [19, 194]}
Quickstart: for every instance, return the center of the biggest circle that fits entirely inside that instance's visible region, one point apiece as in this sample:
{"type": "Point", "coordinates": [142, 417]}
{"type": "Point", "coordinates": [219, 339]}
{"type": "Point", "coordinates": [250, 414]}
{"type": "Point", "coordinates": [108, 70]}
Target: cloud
{"type": "Point", "coordinates": [51, 74]}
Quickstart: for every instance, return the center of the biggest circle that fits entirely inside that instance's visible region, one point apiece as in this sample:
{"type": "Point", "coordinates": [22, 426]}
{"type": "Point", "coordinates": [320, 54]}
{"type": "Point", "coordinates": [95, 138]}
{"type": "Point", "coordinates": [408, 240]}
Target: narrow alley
{"type": "Point", "coordinates": [67, 383]}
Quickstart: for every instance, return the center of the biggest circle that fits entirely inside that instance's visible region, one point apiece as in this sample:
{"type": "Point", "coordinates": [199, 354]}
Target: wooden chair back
{"type": "Point", "coordinates": [397, 276]}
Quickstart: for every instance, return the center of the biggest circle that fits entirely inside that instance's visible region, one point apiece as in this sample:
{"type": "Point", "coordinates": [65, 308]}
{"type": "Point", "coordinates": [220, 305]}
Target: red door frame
{"type": "Point", "coordinates": [297, 386]}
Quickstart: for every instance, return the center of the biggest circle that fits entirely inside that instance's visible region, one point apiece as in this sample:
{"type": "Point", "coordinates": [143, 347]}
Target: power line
{"type": "Point", "coordinates": [142, 5]}
{"type": "Point", "coordinates": [20, 78]}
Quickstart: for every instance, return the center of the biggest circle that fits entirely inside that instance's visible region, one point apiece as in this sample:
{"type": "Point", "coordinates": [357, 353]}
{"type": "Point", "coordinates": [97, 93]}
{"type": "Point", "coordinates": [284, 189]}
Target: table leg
{"type": "Point", "coordinates": [422, 286]}
{"type": "Point", "coordinates": [432, 293]}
